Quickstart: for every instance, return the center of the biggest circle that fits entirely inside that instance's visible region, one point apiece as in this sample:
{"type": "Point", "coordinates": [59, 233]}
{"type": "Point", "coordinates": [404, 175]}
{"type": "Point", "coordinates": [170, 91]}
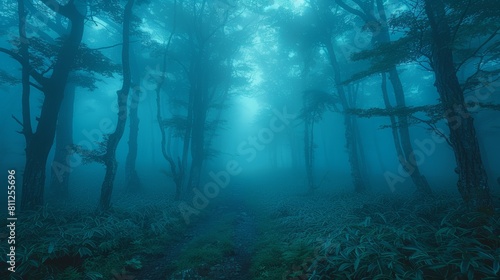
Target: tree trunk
{"type": "Point", "coordinates": [37, 149]}
{"type": "Point", "coordinates": [400, 124]}
{"type": "Point", "coordinates": [472, 179]}
{"type": "Point", "coordinates": [198, 137]}
{"type": "Point", "coordinates": [350, 136]}
{"type": "Point", "coordinates": [132, 182]}
{"type": "Point", "coordinates": [61, 166]}
{"type": "Point", "coordinates": [407, 157]}
{"type": "Point", "coordinates": [309, 148]}
{"type": "Point", "coordinates": [122, 95]}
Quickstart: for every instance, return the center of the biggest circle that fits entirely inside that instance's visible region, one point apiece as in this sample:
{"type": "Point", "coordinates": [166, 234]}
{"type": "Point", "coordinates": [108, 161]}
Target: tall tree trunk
{"type": "Point", "coordinates": [381, 35]}
{"type": "Point", "coordinates": [308, 147]}
{"type": "Point", "coordinates": [61, 166]}
{"type": "Point", "coordinates": [132, 182]}
{"type": "Point", "coordinates": [403, 145]}
{"type": "Point", "coordinates": [39, 145]}
{"type": "Point", "coordinates": [109, 157]}
{"type": "Point", "coordinates": [198, 136]}
{"type": "Point", "coordinates": [177, 169]}
{"type": "Point", "coordinates": [357, 135]}
{"type": "Point", "coordinates": [472, 178]}
{"type": "Point", "coordinates": [350, 136]}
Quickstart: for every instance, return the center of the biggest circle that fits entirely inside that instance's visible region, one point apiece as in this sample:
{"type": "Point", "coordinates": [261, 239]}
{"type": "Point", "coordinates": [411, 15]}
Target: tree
{"type": "Point", "coordinates": [132, 181]}
{"type": "Point", "coordinates": [321, 27]}
{"type": "Point", "coordinates": [206, 45]}
{"type": "Point", "coordinates": [368, 12]}
{"type": "Point", "coordinates": [112, 140]}
{"type": "Point", "coordinates": [472, 179]}
{"type": "Point", "coordinates": [39, 142]}
{"type": "Point", "coordinates": [315, 103]}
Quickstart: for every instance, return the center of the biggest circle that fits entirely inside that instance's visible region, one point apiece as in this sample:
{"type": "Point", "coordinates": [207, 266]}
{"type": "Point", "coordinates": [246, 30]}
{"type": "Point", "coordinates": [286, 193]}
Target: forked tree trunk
{"type": "Point", "coordinates": [472, 179]}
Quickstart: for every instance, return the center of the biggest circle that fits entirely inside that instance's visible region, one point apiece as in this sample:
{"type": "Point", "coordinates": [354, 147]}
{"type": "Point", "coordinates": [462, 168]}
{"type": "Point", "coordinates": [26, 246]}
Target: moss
{"type": "Point", "coordinates": [211, 247]}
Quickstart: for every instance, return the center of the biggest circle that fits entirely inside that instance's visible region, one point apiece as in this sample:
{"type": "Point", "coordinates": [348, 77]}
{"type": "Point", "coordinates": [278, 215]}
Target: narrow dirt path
{"type": "Point", "coordinates": [233, 266]}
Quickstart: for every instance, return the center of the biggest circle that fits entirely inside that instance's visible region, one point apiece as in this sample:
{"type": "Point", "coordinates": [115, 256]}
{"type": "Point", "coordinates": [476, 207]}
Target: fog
{"type": "Point", "coordinates": [246, 119]}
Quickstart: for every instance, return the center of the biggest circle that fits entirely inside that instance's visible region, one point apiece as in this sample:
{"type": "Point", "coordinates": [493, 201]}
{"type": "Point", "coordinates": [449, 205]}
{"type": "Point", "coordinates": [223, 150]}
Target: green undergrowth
{"type": "Point", "coordinates": [386, 238]}
{"type": "Point", "coordinates": [210, 245]}
{"type": "Point", "coordinates": [413, 239]}
{"type": "Point", "coordinates": [276, 252]}
{"type": "Point", "coordinates": [55, 243]}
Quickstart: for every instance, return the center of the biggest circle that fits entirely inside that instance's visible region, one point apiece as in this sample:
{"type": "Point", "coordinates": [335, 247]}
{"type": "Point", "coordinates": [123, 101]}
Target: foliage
{"type": "Point", "coordinates": [381, 237]}
{"type": "Point", "coordinates": [435, 239]}
{"type": "Point", "coordinates": [316, 102]}
{"type": "Point", "coordinates": [474, 25]}
{"type": "Point", "coordinates": [80, 245]}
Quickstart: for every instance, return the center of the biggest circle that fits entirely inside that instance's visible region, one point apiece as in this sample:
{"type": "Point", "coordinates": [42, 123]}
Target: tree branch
{"type": "Point", "coordinates": [57, 8]}
{"type": "Point", "coordinates": [36, 86]}
{"type": "Point", "coordinates": [478, 49]}
{"type": "Point", "coordinates": [434, 128]}
{"type": "Point", "coordinates": [112, 46]}
{"type": "Point", "coordinates": [462, 17]}
{"type": "Point", "coordinates": [33, 73]}
{"type": "Point", "coordinates": [353, 11]}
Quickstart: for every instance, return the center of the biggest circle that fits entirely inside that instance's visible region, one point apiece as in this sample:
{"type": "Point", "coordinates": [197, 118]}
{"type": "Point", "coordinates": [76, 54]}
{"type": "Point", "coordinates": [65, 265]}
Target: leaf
{"type": "Point", "coordinates": [84, 251]}
{"type": "Point", "coordinates": [496, 266]}
{"type": "Point", "coordinates": [51, 247]}
{"type": "Point", "coordinates": [34, 263]}
{"type": "Point", "coordinates": [356, 263]}
{"type": "Point", "coordinates": [344, 266]}
{"type": "Point", "coordinates": [464, 266]}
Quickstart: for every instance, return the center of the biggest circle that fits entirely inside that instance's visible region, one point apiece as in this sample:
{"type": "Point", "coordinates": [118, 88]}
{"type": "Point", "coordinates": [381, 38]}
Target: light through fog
{"type": "Point", "coordinates": [250, 139]}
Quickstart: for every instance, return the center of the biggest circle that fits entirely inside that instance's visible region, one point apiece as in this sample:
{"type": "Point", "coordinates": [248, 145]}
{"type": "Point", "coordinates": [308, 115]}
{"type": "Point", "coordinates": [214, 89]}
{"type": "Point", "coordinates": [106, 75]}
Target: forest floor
{"type": "Point", "coordinates": [262, 228]}
{"type": "Point", "coordinates": [254, 234]}
{"type": "Point", "coordinates": [230, 215]}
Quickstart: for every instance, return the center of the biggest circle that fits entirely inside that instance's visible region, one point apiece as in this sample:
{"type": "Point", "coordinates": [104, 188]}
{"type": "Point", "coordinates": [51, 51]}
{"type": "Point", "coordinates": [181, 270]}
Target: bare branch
{"type": "Point", "coordinates": [18, 121]}
{"type": "Point", "coordinates": [36, 86]}
{"type": "Point", "coordinates": [493, 35]}
{"type": "Point", "coordinates": [112, 46]}
{"type": "Point", "coordinates": [462, 17]}
{"type": "Point", "coordinates": [434, 128]}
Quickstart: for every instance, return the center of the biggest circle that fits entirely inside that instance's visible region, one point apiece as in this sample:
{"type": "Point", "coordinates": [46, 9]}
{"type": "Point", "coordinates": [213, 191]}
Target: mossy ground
{"type": "Point", "coordinates": [211, 244]}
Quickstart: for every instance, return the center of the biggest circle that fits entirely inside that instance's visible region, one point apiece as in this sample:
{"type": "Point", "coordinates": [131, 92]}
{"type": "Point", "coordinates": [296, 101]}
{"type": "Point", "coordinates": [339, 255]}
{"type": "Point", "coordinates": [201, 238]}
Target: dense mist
{"type": "Point", "coordinates": [304, 139]}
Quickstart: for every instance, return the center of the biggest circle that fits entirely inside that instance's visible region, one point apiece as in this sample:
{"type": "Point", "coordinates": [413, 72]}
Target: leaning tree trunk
{"type": "Point", "coordinates": [39, 145]}
{"type": "Point", "coordinates": [109, 157]}
{"type": "Point", "coordinates": [61, 166]}
{"type": "Point", "coordinates": [350, 136]}
{"type": "Point", "coordinates": [472, 179]}
{"type": "Point", "coordinates": [402, 142]}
